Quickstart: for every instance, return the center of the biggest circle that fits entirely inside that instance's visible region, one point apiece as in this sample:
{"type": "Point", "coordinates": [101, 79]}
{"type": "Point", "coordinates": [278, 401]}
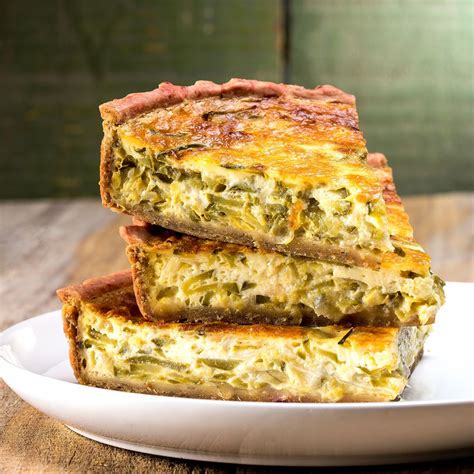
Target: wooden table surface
{"type": "Point", "coordinates": [48, 244]}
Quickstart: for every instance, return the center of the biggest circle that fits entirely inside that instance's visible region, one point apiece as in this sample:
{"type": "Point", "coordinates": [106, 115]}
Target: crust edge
{"type": "Point", "coordinates": [224, 393]}
{"type": "Point", "coordinates": [94, 287]}
{"type": "Point", "coordinates": [221, 233]}
{"type": "Point", "coordinates": [119, 110]}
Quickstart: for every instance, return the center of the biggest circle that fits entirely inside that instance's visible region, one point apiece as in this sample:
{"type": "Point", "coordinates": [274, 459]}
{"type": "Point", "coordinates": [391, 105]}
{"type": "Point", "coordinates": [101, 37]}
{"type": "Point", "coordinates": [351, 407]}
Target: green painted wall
{"type": "Point", "coordinates": [61, 59]}
{"type": "Point", "coordinates": [411, 65]}
{"type": "Point", "coordinates": [409, 62]}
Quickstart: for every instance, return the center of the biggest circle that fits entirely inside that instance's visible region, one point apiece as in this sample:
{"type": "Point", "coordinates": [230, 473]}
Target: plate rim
{"type": "Point", "coordinates": [270, 460]}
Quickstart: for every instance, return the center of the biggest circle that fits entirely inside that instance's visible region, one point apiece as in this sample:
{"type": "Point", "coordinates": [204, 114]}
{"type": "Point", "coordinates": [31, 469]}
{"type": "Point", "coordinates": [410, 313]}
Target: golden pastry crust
{"type": "Point", "coordinates": [95, 287]}
{"type": "Point", "coordinates": [119, 110]}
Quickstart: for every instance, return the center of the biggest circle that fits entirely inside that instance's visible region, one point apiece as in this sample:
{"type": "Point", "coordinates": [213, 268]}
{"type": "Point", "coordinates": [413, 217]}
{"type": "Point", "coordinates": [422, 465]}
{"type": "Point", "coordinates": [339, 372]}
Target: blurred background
{"type": "Point", "coordinates": [409, 62]}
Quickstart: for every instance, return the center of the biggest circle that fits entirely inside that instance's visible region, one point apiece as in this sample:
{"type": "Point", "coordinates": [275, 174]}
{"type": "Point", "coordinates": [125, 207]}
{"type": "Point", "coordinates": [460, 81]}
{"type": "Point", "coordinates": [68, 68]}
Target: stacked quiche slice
{"type": "Point", "coordinates": [271, 257]}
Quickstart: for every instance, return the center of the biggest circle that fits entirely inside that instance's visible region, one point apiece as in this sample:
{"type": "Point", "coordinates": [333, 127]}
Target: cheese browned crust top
{"type": "Point", "coordinates": [255, 163]}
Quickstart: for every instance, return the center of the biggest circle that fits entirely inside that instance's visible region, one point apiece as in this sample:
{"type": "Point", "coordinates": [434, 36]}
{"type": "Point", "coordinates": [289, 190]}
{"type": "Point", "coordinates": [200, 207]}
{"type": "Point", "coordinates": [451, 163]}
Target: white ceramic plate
{"type": "Point", "coordinates": [435, 418]}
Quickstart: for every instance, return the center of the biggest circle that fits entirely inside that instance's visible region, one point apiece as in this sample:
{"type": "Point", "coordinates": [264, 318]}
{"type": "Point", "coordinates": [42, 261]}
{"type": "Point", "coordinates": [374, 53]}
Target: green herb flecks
{"type": "Point", "coordinates": [345, 337]}
{"type": "Point", "coordinates": [178, 150]}
{"type": "Point", "coordinates": [214, 113]}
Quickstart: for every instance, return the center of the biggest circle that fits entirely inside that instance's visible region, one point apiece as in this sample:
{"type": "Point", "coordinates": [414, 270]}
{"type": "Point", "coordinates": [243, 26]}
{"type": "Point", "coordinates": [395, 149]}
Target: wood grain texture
{"type": "Point", "coordinates": [48, 244]}
{"type": "Point", "coordinates": [411, 66]}
{"type": "Point", "coordinates": [444, 225]}
{"type": "Point", "coordinates": [92, 52]}
{"type": "Point", "coordinates": [42, 244]}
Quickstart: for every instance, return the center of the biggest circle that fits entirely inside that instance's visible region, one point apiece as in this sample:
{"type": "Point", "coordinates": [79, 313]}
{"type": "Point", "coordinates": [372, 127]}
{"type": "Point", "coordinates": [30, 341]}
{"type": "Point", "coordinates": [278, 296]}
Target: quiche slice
{"type": "Point", "coordinates": [178, 276]}
{"type": "Point", "coordinates": [112, 346]}
{"type": "Point", "coordinates": [269, 165]}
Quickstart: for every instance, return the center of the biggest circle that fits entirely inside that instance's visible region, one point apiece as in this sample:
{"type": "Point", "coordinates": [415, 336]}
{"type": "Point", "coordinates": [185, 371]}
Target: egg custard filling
{"type": "Point", "coordinates": [112, 346]}
{"type": "Point", "coordinates": [245, 199]}
{"type": "Point", "coordinates": [179, 277]}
